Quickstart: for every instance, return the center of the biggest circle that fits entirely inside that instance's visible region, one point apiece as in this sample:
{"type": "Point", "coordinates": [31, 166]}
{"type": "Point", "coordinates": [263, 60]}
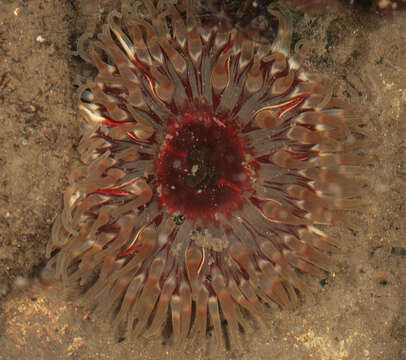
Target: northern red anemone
{"type": "Point", "coordinates": [211, 165]}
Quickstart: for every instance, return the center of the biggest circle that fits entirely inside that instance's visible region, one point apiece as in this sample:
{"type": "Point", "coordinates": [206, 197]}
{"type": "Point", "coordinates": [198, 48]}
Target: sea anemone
{"type": "Point", "coordinates": [211, 165]}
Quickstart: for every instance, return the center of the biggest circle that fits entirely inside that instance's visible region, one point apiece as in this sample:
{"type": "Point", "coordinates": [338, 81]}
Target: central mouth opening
{"type": "Point", "coordinates": [201, 167]}
{"type": "Point", "coordinates": [201, 172]}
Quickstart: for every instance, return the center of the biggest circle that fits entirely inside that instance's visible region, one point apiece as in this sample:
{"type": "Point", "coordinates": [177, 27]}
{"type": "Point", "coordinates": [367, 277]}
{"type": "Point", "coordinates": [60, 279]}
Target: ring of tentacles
{"type": "Point", "coordinates": [210, 165]}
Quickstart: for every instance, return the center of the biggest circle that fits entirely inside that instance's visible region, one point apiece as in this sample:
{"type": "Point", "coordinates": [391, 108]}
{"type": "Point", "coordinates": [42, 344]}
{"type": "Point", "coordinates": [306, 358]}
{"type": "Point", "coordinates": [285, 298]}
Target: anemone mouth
{"type": "Point", "coordinates": [200, 168]}
{"type": "Point", "coordinates": [210, 166]}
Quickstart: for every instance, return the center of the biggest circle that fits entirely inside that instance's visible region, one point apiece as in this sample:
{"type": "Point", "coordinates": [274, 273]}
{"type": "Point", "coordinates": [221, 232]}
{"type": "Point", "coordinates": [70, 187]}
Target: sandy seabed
{"type": "Point", "coordinates": [359, 312]}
